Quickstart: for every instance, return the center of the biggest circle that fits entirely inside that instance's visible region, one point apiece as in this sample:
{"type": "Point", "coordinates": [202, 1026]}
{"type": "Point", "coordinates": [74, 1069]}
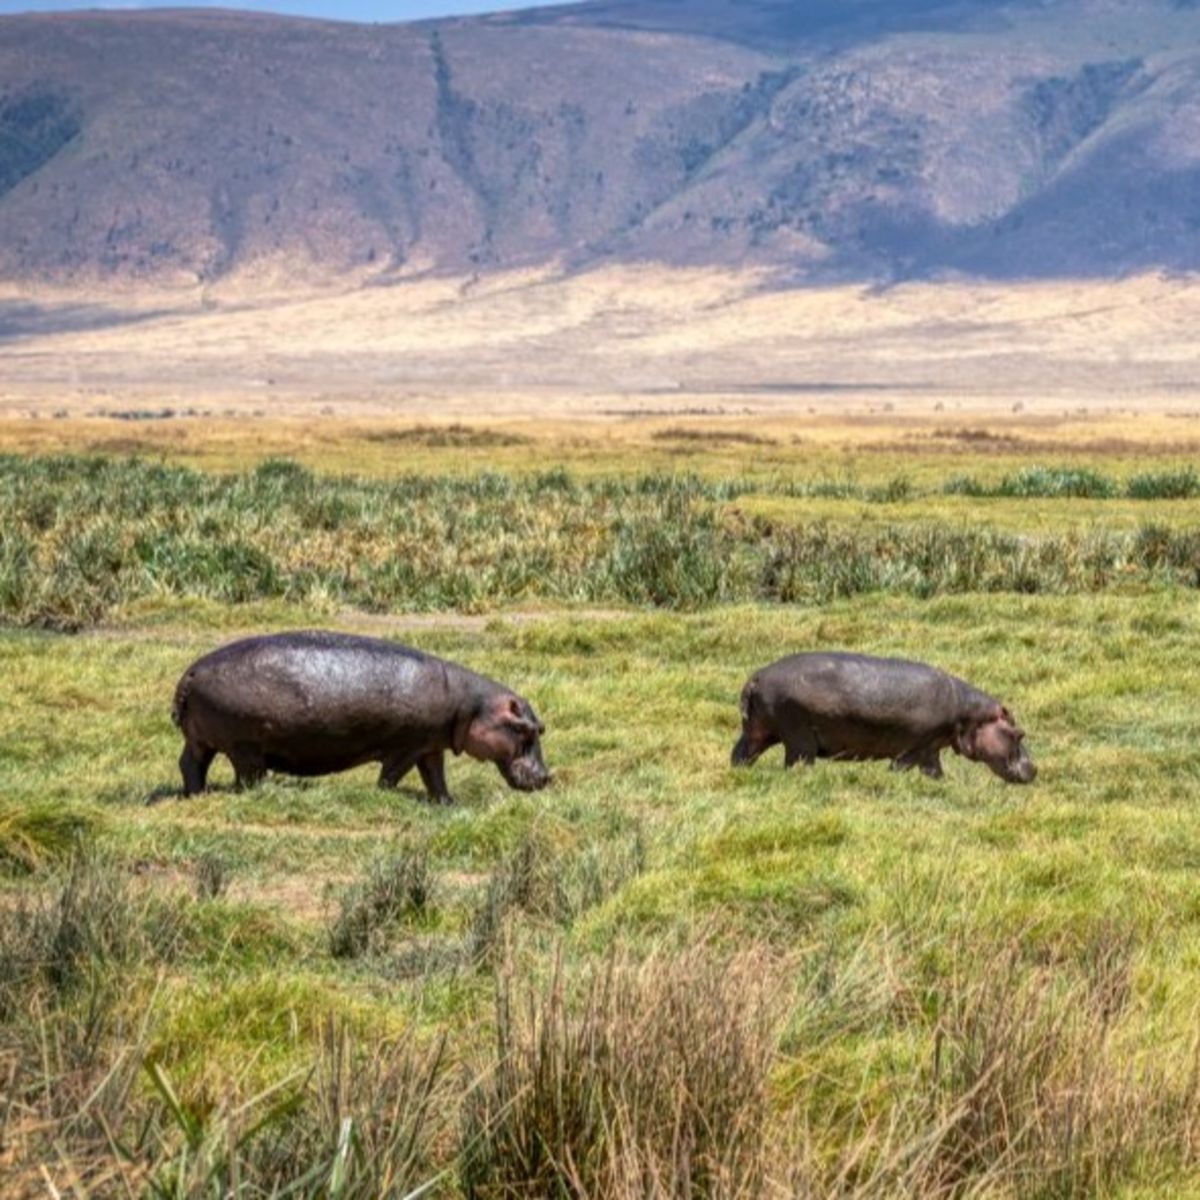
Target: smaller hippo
{"type": "Point", "coordinates": [852, 706]}
{"type": "Point", "coordinates": [317, 703]}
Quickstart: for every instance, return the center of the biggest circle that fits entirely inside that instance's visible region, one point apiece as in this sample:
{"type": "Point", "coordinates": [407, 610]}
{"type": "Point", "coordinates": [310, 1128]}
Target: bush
{"type": "Point", "coordinates": [1057, 482]}
{"type": "Point", "coordinates": [1040, 482]}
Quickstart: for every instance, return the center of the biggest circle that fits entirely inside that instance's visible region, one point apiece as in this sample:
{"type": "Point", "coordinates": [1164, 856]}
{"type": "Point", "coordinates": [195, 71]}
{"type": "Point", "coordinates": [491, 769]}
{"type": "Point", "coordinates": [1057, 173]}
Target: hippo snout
{"type": "Point", "coordinates": [1021, 770]}
{"type": "Point", "coordinates": [525, 776]}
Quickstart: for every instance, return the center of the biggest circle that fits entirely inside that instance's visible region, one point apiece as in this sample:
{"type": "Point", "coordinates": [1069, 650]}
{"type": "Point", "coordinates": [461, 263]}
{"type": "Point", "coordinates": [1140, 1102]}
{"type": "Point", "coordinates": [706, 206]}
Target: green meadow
{"type": "Point", "coordinates": [661, 976]}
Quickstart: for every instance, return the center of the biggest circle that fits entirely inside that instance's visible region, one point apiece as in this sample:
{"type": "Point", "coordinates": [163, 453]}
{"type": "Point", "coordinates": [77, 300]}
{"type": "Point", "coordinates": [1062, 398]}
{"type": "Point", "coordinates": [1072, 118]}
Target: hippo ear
{"type": "Point", "coordinates": [524, 725]}
{"type": "Point", "coordinates": [516, 719]}
{"type": "Point", "coordinates": [1017, 731]}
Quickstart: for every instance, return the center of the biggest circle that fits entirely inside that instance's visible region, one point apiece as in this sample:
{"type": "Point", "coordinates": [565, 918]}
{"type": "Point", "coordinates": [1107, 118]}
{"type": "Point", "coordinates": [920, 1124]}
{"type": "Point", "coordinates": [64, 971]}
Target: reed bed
{"type": "Point", "coordinates": [82, 538]}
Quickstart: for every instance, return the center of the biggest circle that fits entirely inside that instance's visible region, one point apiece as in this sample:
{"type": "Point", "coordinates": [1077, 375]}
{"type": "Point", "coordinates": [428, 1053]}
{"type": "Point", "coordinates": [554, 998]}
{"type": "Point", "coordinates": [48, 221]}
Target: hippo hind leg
{"type": "Point", "coordinates": [193, 766]}
{"type": "Point", "coordinates": [433, 776]}
{"type": "Point", "coordinates": [929, 760]}
{"type": "Point", "coordinates": [431, 767]}
{"type": "Point", "coordinates": [395, 768]}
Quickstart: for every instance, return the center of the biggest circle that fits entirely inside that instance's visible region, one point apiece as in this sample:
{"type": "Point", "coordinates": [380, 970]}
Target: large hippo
{"type": "Point", "coordinates": [851, 706]}
{"type": "Point", "coordinates": [316, 703]}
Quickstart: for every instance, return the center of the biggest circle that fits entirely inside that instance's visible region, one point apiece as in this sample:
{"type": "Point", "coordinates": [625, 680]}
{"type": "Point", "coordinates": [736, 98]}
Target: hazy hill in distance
{"type": "Point", "coordinates": [827, 139]}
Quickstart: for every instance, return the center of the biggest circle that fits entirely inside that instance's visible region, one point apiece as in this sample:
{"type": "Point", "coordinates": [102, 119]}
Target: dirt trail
{"type": "Point", "coordinates": [477, 621]}
{"type": "Point", "coordinates": [314, 832]}
{"type": "Point", "coordinates": [306, 897]}
{"type": "Point", "coordinates": [350, 621]}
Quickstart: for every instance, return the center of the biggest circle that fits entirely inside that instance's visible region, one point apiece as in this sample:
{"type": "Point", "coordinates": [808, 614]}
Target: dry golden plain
{"type": "Point", "coordinates": [597, 372]}
{"type": "Point", "coordinates": [611, 344]}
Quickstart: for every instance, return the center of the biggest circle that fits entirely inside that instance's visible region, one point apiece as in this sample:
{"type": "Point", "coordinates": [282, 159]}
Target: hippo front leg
{"type": "Point", "coordinates": [433, 776]}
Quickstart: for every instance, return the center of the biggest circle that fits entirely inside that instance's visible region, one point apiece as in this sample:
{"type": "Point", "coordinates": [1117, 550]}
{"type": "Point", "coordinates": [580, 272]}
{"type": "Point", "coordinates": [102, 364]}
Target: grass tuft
{"type": "Point", "coordinates": [655, 1082]}
{"type": "Point", "coordinates": [33, 836]}
{"type": "Point", "coordinates": [92, 923]}
{"type": "Point", "coordinates": [550, 884]}
{"type": "Point", "coordinates": [212, 875]}
{"type": "Point", "coordinates": [1040, 482]}
{"type": "Point", "coordinates": [394, 889]}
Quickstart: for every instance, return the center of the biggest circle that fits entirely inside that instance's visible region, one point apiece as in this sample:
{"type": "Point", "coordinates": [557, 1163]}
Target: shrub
{"type": "Point", "coordinates": [1057, 482]}
{"type": "Point", "coordinates": [81, 537]}
{"type": "Point", "coordinates": [1038, 482]}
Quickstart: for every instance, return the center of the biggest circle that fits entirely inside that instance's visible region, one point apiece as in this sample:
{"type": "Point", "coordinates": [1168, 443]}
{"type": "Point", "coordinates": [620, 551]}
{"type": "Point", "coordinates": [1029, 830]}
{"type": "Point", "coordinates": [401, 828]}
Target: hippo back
{"type": "Point", "coordinates": [303, 678]}
{"type": "Point", "coordinates": [882, 691]}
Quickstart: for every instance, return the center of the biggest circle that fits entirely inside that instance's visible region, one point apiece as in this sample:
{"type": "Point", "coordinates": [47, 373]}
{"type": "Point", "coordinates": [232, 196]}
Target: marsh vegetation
{"type": "Point", "coordinates": [83, 538]}
{"type": "Point", "coordinates": [661, 977]}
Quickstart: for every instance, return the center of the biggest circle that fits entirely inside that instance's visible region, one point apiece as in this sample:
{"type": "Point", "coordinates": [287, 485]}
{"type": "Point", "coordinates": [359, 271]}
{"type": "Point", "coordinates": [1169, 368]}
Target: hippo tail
{"type": "Point", "coordinates": [741, 755]}
{"type": "Point", "coordinates": [749, 699]}
{"type": "Point", "coordinates": [179, 704]}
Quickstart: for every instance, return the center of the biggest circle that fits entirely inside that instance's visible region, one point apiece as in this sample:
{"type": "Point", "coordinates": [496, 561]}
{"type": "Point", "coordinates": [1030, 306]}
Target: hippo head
{"type": "Point", "coordinates": [997, 742]}
{"type": "Point", "coordinates": [506, 731]}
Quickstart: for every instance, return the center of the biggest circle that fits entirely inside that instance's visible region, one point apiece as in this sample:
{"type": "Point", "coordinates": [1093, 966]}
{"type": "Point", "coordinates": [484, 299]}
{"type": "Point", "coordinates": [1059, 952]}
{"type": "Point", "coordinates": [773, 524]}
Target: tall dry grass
{"type": "Point", "coordinates": [654, 1081]}
{"type": "Point", "coordinates": [666, 1078]}
{"type": "Point", "coordinates": [690, 1071]}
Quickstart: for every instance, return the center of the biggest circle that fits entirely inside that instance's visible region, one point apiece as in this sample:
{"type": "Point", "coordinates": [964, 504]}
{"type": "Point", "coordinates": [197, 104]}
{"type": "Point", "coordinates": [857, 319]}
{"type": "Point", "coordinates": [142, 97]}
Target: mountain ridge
{"type": "Point", "coordinates": [821, 142]}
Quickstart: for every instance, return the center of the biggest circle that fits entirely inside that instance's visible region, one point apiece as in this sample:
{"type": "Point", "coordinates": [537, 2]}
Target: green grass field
{"type": "Point", "coordinates": [661, 976]}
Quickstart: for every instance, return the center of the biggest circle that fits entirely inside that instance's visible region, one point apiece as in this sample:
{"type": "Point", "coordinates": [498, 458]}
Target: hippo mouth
{"type": "Point", "coordinates": [524, 775]}
{"type": "Point", "coordinates": [1019, 772]}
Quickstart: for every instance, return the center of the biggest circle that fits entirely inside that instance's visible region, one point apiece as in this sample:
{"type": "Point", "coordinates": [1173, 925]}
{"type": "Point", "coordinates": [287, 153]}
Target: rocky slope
{"type": "Point", "coordinates": [828, 139]}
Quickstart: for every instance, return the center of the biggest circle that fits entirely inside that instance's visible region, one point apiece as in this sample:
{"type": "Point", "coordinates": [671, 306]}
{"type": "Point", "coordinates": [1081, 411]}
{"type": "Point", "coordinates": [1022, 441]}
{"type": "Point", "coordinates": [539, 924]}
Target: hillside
{"type": "Point", "coordinates": [855, 140]}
